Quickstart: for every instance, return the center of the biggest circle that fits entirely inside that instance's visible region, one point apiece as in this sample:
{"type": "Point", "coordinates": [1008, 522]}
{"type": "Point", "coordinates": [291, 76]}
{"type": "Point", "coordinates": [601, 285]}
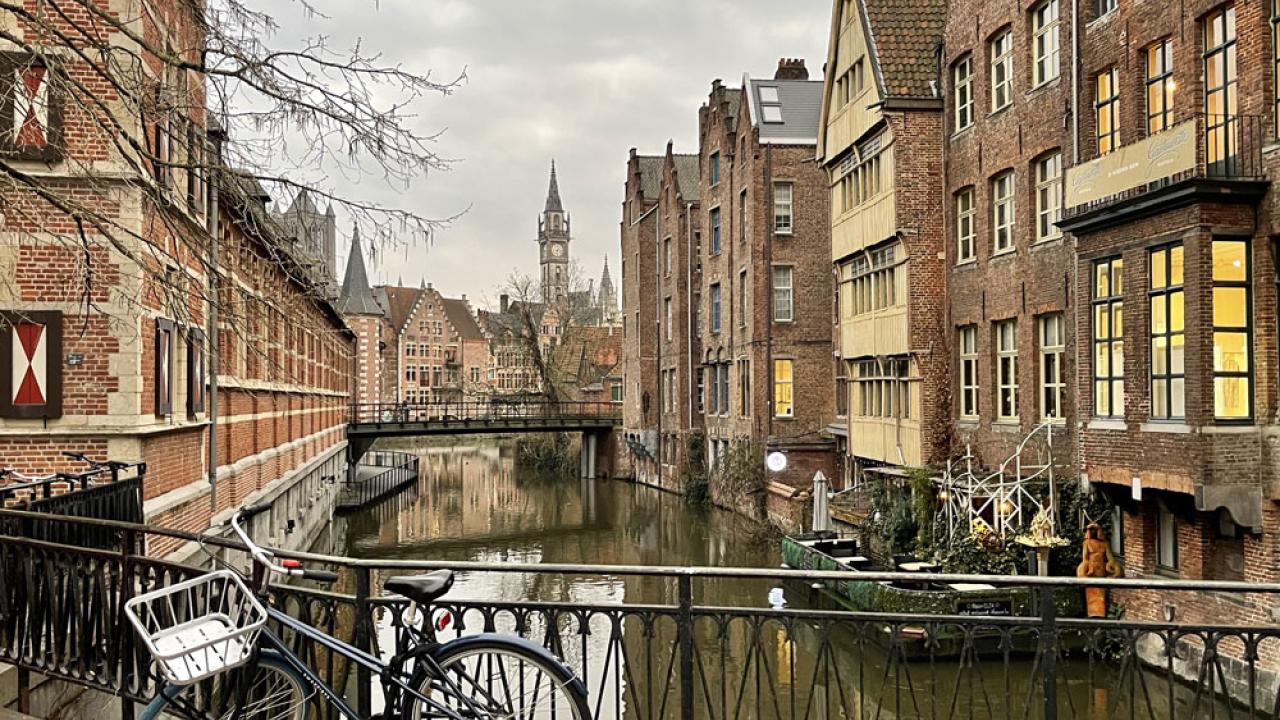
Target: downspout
{"type": "Point", "coordinates": [1075, 81]}
{"type": "Point", "coordinates": [688, 306]}
{"type": "Point", "coordinates": [212, 333]}
{"type": "Point", "coordinates": [768, 320]}
{"type": "Point", "coordinates": [662, 382]}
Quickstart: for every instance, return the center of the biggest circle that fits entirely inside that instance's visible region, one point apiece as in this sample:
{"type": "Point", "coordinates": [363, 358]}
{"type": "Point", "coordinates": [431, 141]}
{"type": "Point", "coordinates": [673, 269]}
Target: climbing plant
{"type": "Point", "coordinates": [697, 488]}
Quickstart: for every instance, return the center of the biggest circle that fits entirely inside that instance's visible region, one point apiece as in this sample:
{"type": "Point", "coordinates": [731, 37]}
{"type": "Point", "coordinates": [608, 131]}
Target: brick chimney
{"type": "Point", "coordinates": [504, 301]}
{"type": "Point", "coordinates": [791, 69]}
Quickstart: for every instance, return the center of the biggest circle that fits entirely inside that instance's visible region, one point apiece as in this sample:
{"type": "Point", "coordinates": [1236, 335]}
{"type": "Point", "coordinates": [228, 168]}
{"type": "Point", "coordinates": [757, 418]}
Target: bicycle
{"type": "Point", "coordinates": [210, 643]}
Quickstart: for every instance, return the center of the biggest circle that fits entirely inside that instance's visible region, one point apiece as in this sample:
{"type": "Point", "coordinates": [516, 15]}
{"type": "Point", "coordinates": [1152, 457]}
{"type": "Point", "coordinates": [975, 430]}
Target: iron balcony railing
{"type": "Point", "coordinates": [1227, 148]}
{"type": "Point", "coordinates": [647, 645]}
{"type": "Point", "coordinates": [490, 410]}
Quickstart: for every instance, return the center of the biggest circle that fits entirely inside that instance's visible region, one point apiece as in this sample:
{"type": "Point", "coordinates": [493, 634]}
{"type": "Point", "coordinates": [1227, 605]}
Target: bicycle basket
{"type": "Point", "coordinates": [198, 628]}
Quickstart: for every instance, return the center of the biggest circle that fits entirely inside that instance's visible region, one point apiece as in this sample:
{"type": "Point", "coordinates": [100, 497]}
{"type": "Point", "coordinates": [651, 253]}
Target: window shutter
{"type": "Point", "coordinates": [31, 344]}
{"type": "Point", "coordinates": [164, 367]}
{"type": "Point", "coordinates": [195, 371]}
{"type": "Point", "coordinates": [30, 109]}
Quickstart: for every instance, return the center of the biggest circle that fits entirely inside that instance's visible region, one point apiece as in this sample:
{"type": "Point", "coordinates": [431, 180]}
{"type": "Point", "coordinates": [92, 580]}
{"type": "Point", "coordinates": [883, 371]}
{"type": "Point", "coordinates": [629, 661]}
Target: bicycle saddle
{"type": "Point", "coordinates": [421, 589]}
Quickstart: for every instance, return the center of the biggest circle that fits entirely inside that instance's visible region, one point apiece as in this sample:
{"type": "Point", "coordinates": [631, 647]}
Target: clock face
{"type": "Point", "coordinates": [557, 250]}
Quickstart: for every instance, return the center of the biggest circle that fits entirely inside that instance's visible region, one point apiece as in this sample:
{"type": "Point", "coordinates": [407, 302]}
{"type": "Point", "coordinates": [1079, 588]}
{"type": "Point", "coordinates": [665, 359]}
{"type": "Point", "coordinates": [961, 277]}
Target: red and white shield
{"type": "Point", "coordinates": [31, 106]}
{"type": "Point", "coordinates": [30, 363]}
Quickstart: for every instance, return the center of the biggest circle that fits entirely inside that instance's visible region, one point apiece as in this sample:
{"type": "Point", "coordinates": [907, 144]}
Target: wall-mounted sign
{"type": "Point", "coordinates": [75, 358]}
{"type": "Point", "coordinates": [1160, 156]}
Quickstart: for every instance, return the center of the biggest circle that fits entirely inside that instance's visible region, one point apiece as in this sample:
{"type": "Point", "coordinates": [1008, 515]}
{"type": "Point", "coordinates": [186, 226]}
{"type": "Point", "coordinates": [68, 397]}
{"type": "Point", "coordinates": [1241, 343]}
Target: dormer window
{"type": "Point", "coordinates": [770, 105]}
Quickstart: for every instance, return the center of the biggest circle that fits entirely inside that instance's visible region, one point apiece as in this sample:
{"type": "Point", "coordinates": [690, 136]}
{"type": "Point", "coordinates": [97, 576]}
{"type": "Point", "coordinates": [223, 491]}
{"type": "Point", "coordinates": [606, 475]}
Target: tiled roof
{"type": "Point", "coordinates": [687, 175]}
{"type": "Point", "coordinates": [906, 35]}
{"type": "Point", "coordinates": [800, 102]}
{"type": "Point", "coordinates": [460, 317]}
{"type": "Point", "coordinates": [399, 302]}
{"type": "Point", "coordinates": [650, 175]}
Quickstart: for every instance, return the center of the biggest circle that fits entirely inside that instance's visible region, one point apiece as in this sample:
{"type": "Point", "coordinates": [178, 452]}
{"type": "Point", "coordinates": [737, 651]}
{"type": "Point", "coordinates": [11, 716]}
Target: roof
{"type": "Point", "coordinates": [398, 303]}
{"type": "Point", "coordinates": [800, 102]}
{"type": "Point", "coordinates": [905, 35]}
{"type": "Point", "coordinates": [356, 297]}
{"type": "Point", "coordinates": [460, 317]}
{"type": "Point", "coordinates": [650, 175]}
{"type": "Point", "coordinates": [687, 175]}
{"type": "Point", "coordinates": [553, 193]}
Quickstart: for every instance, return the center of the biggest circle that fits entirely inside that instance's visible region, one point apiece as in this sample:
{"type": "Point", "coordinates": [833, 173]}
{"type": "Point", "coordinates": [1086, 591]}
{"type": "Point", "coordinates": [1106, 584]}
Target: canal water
{"type": "Point", "coordinates": [472, 502]}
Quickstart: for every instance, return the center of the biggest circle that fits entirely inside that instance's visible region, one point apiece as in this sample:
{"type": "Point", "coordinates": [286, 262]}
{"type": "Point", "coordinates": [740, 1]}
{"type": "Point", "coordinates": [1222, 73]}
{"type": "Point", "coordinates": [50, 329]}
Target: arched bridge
{"type": "Point", "coordinates": [371, 421]}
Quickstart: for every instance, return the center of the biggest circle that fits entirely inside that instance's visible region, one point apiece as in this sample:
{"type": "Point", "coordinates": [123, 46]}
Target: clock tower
{"type": "Point", "coordinates": [553, 244]}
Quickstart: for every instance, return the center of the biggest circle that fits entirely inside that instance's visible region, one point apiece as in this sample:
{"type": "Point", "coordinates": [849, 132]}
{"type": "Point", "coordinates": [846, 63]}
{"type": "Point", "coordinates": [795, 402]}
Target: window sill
{"type": "Point", "coordinates": [783, 233]}
{"type": "Point", "coordinates": [1047, 242]}
{"type": "Point", "coordinates": [967, 423]}
{"type": "Point", "coordinates": [1228, 427]}
{"type": "Point", "coordinates": [1000, 110]}
{"type": "Point", "coordinates": [1167, 572]}
{"type": "Point", "coordinates": [970, 262]}
{"type": "Point", "coordinates": [1164, 426]}
{"type": "Point", "coordinates": [1104, 17]}
{"type": "Point", "coordinates": [1107, 424]}
{"type": "Point", "coordinates": [1049, 84]}
{"type": "Point", "coordinates": [966, 130]}
{"type": "Point", "coordinates": [1007, 425]}
{"type": "Point", "coordinates": [776, 321]}
{"type": "Point", "coordinates": [1003, 253]}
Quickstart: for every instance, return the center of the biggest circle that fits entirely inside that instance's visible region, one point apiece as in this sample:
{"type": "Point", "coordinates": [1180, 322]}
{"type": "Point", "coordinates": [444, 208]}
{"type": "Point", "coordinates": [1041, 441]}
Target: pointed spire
{"type": "Point", "coordinates": [604, 277]}
{"type": "Point", "coordinates": [356, 298]}
{"type": "Point", "coordinates": [553, 193]}
{"type": "Point", "coordinates": [423, 285]}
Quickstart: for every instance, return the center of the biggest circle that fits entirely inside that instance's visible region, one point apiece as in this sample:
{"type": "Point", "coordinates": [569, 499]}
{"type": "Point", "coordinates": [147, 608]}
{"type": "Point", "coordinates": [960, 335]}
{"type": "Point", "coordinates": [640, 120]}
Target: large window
{"type": "Point", "coordinates": [724, 388]}
{"type": "Point", "coordinates": [744, 387]}
{"type": "Point", "coordinates": [1001, 70]}
{"type": "Point", "coordinates": [1007, 369]}
{"type": "Point", "coordinates": [1108, 338]}
{"type": "Point", "coordinates": [1166, 538]}
{"type": "Point", "coordinates": [714, 167]}
{"type": "Point", "coordinates": [715, 231]}
{"type": "Point", "coordinates": [783, 310]}
{"type": "Point", "coordinates": [782, 220]}
{"type": "Point", "coordinates": [783, 388]}
{"type": "Point", "coordinates": [965, 238]}
{"type": "Point", "coordinates": [666, 329]}
{"type": "Point", "coordinates": [874, 280]}
{"type": "Point", "coordinates": [1107, 111]}
{"type": "Point", "coordinates": [666, 256]}
{"type": "Point", "coordinates": [1160, 86]}
{"type": "Point", "coordinates": [969, 372]}
{"type": "Point", "coordinates": [1044, 30]}
{"type": "Point", "coordinates": [962, 87]}
{"type": "Point", "coordinates": [1232, 330]}
{"type": "Point", "coordinates": [1048, 196]}
{"type": "Point", "coordinates": [715, 308]}
{"type": "Point", "coordinates": [1221, 126]}
{"type": "Point", "coordinates": [1168, 342]}
{"type": "Point", "coordinates": [1002, 212]}
{"type": "Point", "coordinates": [884, 388]}
{"type": "Point", "coordinates": [1052, 345]}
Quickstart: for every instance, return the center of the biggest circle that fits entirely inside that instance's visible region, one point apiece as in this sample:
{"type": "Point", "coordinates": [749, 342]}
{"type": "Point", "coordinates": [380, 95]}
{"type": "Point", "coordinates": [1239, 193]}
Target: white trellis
{"type": "Point", "coordinates": [1006, 499]}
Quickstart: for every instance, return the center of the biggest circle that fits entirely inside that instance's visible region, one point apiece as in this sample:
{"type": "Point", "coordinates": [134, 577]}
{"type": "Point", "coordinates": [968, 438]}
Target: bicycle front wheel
{"type": "Point", "coordinates": [499, 679]}
{"type": "Point", "coordinates": [274, 691]}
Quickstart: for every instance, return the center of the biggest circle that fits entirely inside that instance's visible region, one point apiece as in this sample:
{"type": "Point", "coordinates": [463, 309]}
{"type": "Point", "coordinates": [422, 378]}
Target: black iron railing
{"type": "Point", "coordinates": [1227, 147]}
{"type": "Point", "coordinates": [83, 495]}
{"type": "Point", "coordinates": [379, 474]}
{"type": "Point", "coordinates": [497, 411]}
{"type": "Point", "coordinates": [647, 646]}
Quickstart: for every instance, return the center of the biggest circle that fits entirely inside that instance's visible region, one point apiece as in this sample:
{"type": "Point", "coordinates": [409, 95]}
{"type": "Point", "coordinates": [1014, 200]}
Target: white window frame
{"type": "Point", "coordinates": [1046, 63]}
{"type": "Point", "coordinates": [1048, 196]}
{"type": "Point", "coordinates": [1001, 47]}
{"type": "Point", "coordinates": [784, 294]}
{"type": "Point", "coordinates": [1006, 334]}
{"type": "Point", "coordinates": [1052, 349]}
{"type": "Point", "coordinates": [1002, 213]}
{"type": "Point", "coordinates": [962, 89]}
{"type": "Point", "coordinates": [968, 343]}
{"type": "Point", "coordinates": [783, 220]}
{"type": "Point", "coordinates": [966, 232]}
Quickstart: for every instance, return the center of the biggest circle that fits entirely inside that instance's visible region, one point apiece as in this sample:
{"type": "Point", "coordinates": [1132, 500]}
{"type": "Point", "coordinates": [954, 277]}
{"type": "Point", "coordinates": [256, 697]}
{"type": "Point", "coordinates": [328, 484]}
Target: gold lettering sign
{"type": "Point", "coordinates": [1162, 155]}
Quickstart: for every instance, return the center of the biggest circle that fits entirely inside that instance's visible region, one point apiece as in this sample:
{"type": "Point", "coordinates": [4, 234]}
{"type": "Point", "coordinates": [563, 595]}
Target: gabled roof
{"type": "Point", "coordinates": [800, 103]}
{"type": "Point", "coordinates": [460, 317]}
{"type": "Point", "coordinates": [686, 167]}
{"type": "Point", "coordinates": [650, 175]}
{"type": "Point", "coordinates": [905, 36]}
{"type": "Point", "coordinates": [356, 297]}
{"type": "Point", "coordinates": [398, 303]}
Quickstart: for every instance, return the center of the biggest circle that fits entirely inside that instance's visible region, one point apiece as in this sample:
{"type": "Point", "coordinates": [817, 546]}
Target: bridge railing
{"type": "Point", "coordinates": [648, 644]}
{"type": "Point", "coordinates": [494, 410]}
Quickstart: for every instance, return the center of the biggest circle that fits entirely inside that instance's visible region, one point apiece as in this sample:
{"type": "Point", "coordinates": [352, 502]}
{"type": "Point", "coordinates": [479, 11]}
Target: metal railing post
{"type": "Point", "coordinates": [684, 630]}
{"type": "Point", "coordinates": [128, 548]}
{"type": "Point", "coordinates": [1049, 650]}
{"type": "Point", "coordinates": [363, 641]}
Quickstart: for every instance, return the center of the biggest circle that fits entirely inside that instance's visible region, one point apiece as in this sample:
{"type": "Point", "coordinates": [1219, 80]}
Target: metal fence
{"type": "Point", "coordinates": [391, 471]}
{"type": "Point", "coordinates": [647, 647]}
{"type": "Point", "coordinates": [74, 496]}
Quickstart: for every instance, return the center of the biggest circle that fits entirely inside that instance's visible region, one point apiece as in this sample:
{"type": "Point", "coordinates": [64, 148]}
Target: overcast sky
{"type": "Point", "coordinates": [580, 81]}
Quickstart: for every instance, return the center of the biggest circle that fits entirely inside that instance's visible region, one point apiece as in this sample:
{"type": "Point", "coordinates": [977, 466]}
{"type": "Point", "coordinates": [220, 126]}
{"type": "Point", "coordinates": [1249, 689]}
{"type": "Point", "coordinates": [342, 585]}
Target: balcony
{"type": "Point", "coordinates": [1208, 158]}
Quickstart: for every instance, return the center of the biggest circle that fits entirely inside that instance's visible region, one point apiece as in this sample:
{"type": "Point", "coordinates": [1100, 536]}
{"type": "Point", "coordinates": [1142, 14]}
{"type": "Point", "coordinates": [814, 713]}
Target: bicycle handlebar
{"type": "Point", "coordinates": [265, 557]}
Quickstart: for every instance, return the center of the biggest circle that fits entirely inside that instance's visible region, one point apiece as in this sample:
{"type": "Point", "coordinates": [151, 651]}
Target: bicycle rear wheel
{"type": "Point", "coordinates": [500, 679]}
{"type": "Point", "coordinates": [274, 691]}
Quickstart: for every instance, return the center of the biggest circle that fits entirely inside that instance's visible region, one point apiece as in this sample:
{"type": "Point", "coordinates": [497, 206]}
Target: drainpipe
{"type": "Point", "coordinates": [768, 269]}
{"type": "Point", "coordinates": [661, 334]}
{"type": "Point", "coordinates": [211, 343]}
{"type": "Point", "coordinates": [1075, 81]}
{"type": "Point", "coordinates": [688, 306]}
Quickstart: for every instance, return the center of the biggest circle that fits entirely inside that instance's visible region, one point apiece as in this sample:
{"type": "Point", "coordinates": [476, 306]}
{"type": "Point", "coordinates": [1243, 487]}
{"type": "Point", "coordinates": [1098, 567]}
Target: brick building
{"type": "Point", "coordinates": [880, 143]}
{"type": "Point", "coordinates": [111, 357]}
{"type": "Point", "coordinates": [639, 238]}
{"type": "Point", "coordinates": [766, 370]}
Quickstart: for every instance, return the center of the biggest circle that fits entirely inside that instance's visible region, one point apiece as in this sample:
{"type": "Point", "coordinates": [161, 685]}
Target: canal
{"type": "Point", "coordinates": [472, 502]}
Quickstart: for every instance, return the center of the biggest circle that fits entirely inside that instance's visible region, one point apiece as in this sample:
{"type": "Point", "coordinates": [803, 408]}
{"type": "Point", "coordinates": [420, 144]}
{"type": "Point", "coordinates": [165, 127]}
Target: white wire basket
{"type": "Point", "coordinates": [198, 628]}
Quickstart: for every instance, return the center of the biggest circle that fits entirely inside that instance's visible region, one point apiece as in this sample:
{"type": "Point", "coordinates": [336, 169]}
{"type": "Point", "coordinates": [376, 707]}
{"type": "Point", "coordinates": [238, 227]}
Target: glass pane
{"type": "Point", "coordinates": [1101, 322]}
{"type": "Point", "coordinates": [1177, 354]}
{"type": "Point", "coordinates": [1159, 315]}
{"type": "Point", "coordinates": [1158, 261]}
{"type": "Point", "coordinates": [1230, 261]}
{"type": "Point", "coordinates": [1231, 397]}
{"type": "Point", "coordinates": [1230, 307]}
{"type": "Point", "coordinates": [1230, 352]}
{"type": "Point", "coordinates": [1117, 277]}
{"type": "Point", "coordinates": [1159, 398]}
{"type": "Point", "coordinates": [1102, 360]}
{"type": "Point", "coordinates": [1117, 359]}
{"type": "Point", "coordinates": [1102, 281]}
{"type": "Point", "coordinates": [1159, 356]}
{"type": "Point", "coordinates": [1177, 398]}
{"type": "Point", "coordinates": [1117, 319]}
{"type": "Point", "coordinates": [1177, 317]}
{"type": "Point", "coordinates": [1101, 398]}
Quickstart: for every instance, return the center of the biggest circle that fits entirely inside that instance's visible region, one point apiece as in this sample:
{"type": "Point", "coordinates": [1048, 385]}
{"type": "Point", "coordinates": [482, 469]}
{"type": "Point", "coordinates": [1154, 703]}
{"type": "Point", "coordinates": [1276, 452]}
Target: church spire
{"type": "Point", "coordinates": [553, 193]}
{"type": "Point", "coordinates": [356, 298]}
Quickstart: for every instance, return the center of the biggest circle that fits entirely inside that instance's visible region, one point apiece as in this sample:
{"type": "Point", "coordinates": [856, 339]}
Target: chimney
{"type": "Point", "coordinates": [504, 301]}
{"type": "Point", "coordinates": [791, 69]}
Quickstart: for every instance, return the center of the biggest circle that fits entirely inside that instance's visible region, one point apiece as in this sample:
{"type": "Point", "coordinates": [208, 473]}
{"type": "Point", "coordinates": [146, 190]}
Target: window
{"type": "Point", "coordinates": [770, 105]}
{"type": "Point", "coordinates": [1108, 338]}
{"type": "Point", "coordinates": [874, 280]}
{"type": "Point", "coordinates": [1007, 369]}
{"type": "Point", "coordinates": [884, 388]}
{"type": "Point", "coordinates": [1044, 31]}
{"type": "Point", "coordinates": [195, 371]}
{"type": "Point", "coordinates": [742, 217]}
{"type": "Point", "coordinates": [1107, 111]}
{"type": "Point", "coordinates": [962, 88]}
{"type": "Point", "coordinates": [666, 256]}
{"type": "Point", "coordinates": [1052, 345]}
{"type": "Point", "coordinates": [782, 207]}
{"type": "Point", "coordinates": [410, 350]}
{"type": "Point", "coordinates": [701, 390]}
{"type": "Point", "coordinates": [1102, 7]}
{"type": "Point", "coordinates": [615, 393]}
{"type": "Point", "coordinates": [163, 368]}
{"type": "Point", "coordinates": [411, 373]}
{"type": "Point", "coordinates": [744, 387]}
{"type": "Point", "coordinates": [666, 328]}
{"type": "Point", "coordinates": [783, 387]}
{"type": "Point", "coordinates": [1160, 86]}
{"type": "Point", "coordinates": [1221, 126]}
{"type": "Point", "coordinates": [1166, 538]}
{"type": "Point", "coordinates": [857, 74]}
{"type": "Point", "coordinates": [715, 308]}
{"type": "Point", "coordinates": [1232, 330]}
{"type": "Point", "coordinates": [1048, 196]}
{"type": "Point", "coordinates": [199, 156]}
{"type": "Point", "coordinates": [1001, 70]}
{"type": "Point", "coordinates": [965, 246]}
{"type": "Point", "coordinates": [1002, 212]}
{"type": "Point", "coordinates": [742, 299]}
{"type": "Point", "coordinates": [724, 388]}
{"type": "Point", "coordinates": [1116, 534]}
{"type": "Point", "coordinates": [1168, 342]}
{"type": "Point", "coordinates": [714, 165]}
{"type": "Point", "coordinates": [782, 296]}
{"type": "Point", "coordinates": [715, 231]}
{"type": "Point", "coordinates": [842, 388]}
{"type": "Point", "coordinates": [31, 344]}
{"type": "Point", "coordinates": [435, 376]}
{"type": "Point", "coordinates": [31, 109]}
{"type": "Point", "coordinates": [969, 372]}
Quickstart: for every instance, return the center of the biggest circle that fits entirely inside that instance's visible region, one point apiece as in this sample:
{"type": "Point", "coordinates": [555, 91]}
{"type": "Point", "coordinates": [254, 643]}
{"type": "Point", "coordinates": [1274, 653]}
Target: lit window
{"type": "Point", "coordinates": [1002, 212]}
{"type": "Point", "coordinates": [1220, 78]}
{"type": "Point", "coordinates": [1001, 70]}
{"type": "Point", "coordinates": [1232, 331]}
{"type": "Point", "coordinates": [1048, 196]}
{"type": "Point", "coordinates": [965, 245]}
{"type": "Point", "coordinates": [1052, 345]}
{"type": "Point", "coordinates": [783, 311]}
{"type": "Point", "coordinates": [969, 372]}
{"type": "Point", "coordinates": [1007, 369]}
{"type": "Point", "coordinates": [1168, 341]}
{"type": "Point", "coordinates": [1107, 111]}
{"type": "Point", "coordinates": [1108, 338]}
{"type": "Point", "coordinates": [782, 207]}
{"type": "Point", "coordinates": [962, 84]}
{"type": "Point", "coordinates": [783, 398]}
{"type": "Point", "coordinates": [1160, 86]}
{"type": "Point", "coordinates": [1044, 28]}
